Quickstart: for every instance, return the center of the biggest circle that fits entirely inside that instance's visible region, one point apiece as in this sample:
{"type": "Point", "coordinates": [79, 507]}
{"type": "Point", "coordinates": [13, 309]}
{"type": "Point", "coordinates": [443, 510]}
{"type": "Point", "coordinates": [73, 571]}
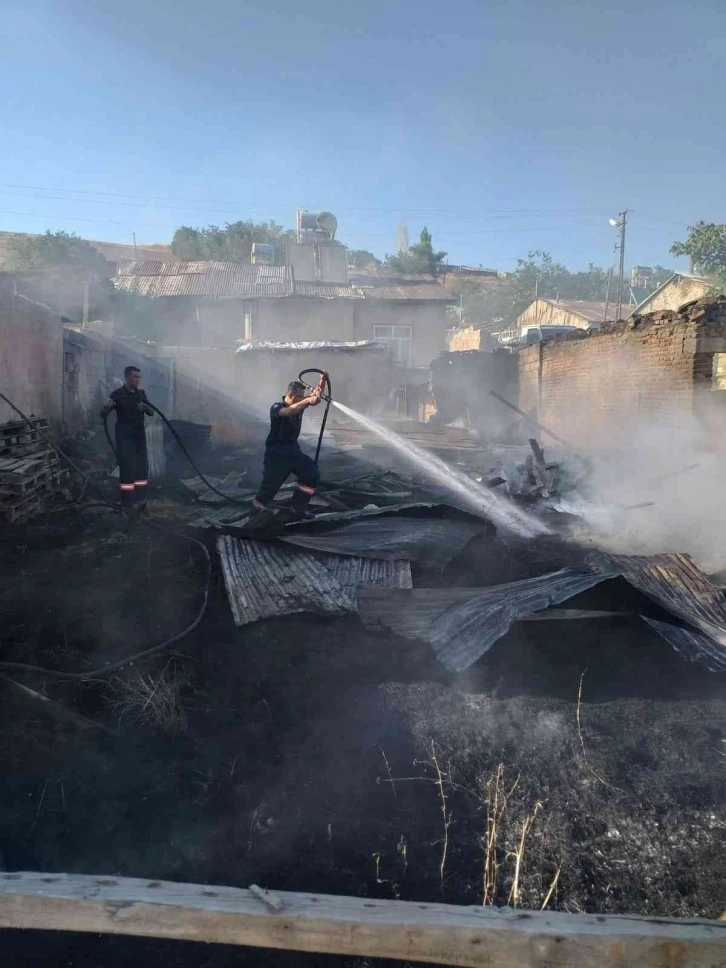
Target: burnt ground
{"type": "Point", "coordinates": [302, 753]}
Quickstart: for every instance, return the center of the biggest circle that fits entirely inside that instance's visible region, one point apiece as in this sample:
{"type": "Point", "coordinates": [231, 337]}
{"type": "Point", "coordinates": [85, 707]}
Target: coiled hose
{"type": "Point", "coordinates": [145, 653]}
{"type": "Point", "coordinates": [326, 396]}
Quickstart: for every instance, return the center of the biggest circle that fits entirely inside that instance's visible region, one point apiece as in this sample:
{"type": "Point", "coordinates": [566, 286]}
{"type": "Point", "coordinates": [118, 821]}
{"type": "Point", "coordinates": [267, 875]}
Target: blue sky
{"type": "Point", "coordinates": [504, 126]}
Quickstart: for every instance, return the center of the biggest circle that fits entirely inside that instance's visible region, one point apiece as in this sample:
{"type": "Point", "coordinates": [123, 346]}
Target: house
{"type": "Point", "coordinates": [680, 288]}
{"type": "Point", "coordinates": [582, 313]}
{"type": "Point", "coordinates": [225, 303]}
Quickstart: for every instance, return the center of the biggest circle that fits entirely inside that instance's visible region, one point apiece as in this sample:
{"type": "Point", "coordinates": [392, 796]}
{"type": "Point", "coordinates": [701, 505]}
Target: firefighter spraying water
{"type": "Point", "coordinates": [283, 455]}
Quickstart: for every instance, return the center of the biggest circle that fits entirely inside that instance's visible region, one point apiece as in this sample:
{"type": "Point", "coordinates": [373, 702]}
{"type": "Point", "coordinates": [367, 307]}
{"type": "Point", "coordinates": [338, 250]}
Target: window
{"type": "Point", "coordinates": [398, 339]}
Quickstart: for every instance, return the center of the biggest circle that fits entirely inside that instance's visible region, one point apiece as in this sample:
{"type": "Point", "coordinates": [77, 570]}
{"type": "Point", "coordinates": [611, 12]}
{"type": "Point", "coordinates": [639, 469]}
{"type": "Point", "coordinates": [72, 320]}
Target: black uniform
{"type": "Point", "coordinates": [133, 462]}
{"type": "Point", "coordinates": [284, 457]}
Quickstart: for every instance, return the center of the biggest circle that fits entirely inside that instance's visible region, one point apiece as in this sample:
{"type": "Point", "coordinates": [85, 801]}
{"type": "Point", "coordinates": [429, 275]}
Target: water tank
{"type": "Point", "coordinates": [319, 222]}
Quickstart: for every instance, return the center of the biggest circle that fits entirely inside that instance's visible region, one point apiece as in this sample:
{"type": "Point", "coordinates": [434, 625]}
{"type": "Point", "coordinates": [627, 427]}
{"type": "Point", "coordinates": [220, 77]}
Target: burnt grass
{"type": "Point", "coordinates": [314, 755]}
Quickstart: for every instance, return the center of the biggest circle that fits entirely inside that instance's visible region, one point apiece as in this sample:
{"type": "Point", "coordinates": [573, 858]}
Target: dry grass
{"type": "Point", "coordinates": [152, 699]}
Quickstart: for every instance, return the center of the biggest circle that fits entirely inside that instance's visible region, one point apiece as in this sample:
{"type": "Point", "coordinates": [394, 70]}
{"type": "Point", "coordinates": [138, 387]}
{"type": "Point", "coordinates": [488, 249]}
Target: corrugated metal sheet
{"type": "Point", "coordinates": [675, 582]}
{"type": "Point", "coordinates": [239, 280]}
{"type": "Point", "coordinates": [266, 580]}
{"type": "Point", "coordinates": [357, 514]}
{"type": "Point", "coordinates": [327, 290]}
{"type": "Point", "coordinates": [220, 280]}
{"type": "Point", "coordinates": [461, 624]}
{"type": "Point", "coordinates": [375, 273]}
{"type": "Point", "coordinates": [155, 448]}
{"type": "Point", "coordinates": [425, 292]}
{"type": "Point", "coordinates": [692, 645]}
{"type": "Point", "coordinates": [267, 345]}
{"type": "Point", "coordinates": [430, 542]}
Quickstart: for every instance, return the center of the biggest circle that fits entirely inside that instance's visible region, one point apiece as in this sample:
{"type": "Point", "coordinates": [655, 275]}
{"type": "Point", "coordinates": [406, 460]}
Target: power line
{"type": "Point", "coordinates": [388, 213]}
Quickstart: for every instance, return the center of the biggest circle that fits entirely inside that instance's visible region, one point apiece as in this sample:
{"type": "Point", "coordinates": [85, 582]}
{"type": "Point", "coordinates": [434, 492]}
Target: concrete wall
{"type": "Point", "coordinates": [31, 356]}
{"type": "Point", "coordinates": [428, 324]}
{"type": "Point", "coordinates": [295, 319]}
{"type": "Point", "coordinates": [461, 384]}
{"type": "Point", "coordinates": [589, 390]}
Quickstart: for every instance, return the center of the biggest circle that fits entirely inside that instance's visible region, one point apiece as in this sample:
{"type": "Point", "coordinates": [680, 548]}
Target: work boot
{"type": "Point", "coordinates": [300, 500]}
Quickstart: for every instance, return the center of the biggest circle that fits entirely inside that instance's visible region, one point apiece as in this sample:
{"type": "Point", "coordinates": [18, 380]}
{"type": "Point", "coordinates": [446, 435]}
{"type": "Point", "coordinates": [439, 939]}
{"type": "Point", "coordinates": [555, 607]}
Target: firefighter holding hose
{"type": "Point", "coordinates": [130, 404]}
{"type": "Point", "coordinates": [283, 456]}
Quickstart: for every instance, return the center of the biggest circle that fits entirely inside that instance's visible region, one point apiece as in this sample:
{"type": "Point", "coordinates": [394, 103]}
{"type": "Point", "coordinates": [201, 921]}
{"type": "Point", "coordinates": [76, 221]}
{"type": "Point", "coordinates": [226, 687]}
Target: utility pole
{"type": "Point", "coordinates": [621, 223]}
{"type": "Point", "coordinates": [607, 295]}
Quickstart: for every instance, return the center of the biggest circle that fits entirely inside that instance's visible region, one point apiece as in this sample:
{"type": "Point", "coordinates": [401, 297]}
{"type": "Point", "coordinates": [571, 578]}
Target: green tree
{"type": "Point", "coordinates": [53, 250]}
{"type": "Point", "coordinates": [233, 243]}
{"type": "Point", "coordinates": [706, 248]}
{"type": "Point", "coordinates": [420, 258]}
{"type": "Point", "coordinates": [362, 259]}
{"type": "Point", "coordinates": [499, 301]}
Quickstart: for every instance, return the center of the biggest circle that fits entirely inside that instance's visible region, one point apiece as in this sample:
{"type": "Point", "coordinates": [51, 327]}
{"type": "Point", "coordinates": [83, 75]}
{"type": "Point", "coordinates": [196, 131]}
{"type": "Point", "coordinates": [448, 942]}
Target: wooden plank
{"type": "Point", "coordinates": [470, 937]}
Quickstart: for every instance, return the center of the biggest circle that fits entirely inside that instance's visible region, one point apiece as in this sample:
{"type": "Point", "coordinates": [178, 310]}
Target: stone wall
{"type": "Point", "coordinates": [657, 367]}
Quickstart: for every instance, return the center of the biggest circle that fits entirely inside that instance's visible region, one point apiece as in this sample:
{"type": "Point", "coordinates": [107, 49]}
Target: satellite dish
{"type": "Point", "coordinates": [613, 222]}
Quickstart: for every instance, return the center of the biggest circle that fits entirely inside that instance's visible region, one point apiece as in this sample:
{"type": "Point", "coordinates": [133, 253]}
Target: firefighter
{"type": "Point", "coordinates": [282, 451]}
{"type": "Point", "coordinates": [130, 404]}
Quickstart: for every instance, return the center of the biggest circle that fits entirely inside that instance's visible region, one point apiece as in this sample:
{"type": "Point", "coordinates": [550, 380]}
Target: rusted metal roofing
{"type": "Point", "coordinates": [461, 624]}
{"type": "Point", "coordinates": [265, 580]}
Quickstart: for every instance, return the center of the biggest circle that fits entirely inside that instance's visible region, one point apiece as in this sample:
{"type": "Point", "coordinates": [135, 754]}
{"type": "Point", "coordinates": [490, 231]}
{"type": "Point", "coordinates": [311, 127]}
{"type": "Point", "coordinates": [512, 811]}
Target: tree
{"type": "Point", "coordinates": [233, 243]}
{"type": "Point", "coordinates": [706, 248]}
{"type": "Point", "coordinates": [501, 301]}
{"type": "Point", "coordinates": [420, 258]}
{"type": "Point", "coordinates": [362, 259]}
{"type": "Point", "coordinates": [53, 250]}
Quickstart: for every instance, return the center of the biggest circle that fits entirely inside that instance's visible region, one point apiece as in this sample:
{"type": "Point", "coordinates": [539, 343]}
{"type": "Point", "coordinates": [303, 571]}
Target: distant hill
{"type": "Point", "coordinates": [112, 251]}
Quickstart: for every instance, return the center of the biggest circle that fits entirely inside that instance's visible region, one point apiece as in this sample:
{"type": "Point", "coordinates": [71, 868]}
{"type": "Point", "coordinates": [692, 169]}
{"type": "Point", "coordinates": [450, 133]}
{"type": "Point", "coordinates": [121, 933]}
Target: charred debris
{"type": "Point", "coordinates": [383, 542]}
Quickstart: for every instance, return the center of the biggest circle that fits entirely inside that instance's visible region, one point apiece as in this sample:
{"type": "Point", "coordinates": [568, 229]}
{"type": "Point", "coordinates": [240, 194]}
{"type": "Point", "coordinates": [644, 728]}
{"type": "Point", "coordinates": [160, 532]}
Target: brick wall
{"type": "Point", "coordinates": [654, 367]}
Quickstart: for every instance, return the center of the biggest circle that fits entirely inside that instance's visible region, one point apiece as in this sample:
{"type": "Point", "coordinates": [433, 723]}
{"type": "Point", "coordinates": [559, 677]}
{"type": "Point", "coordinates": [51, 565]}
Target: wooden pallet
{"type": "Point", "coordinates": [19, 512]}
{"type": "Point", "coordinates": [14, 427]}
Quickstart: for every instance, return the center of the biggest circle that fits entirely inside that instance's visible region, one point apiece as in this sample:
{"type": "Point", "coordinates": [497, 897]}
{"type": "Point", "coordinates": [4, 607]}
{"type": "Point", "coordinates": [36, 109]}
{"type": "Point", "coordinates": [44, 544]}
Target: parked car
{"type": "Point", "coordinates": [535, 334]}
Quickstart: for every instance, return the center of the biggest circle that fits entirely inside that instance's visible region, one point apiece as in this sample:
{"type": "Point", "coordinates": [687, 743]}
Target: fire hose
{"type": "Point", "coordinates": [323, 382]}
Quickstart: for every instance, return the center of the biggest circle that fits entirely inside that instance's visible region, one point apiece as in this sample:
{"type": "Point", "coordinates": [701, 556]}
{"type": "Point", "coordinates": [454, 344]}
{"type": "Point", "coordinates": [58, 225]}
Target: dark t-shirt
{"type": "Point", "coordinates": [127, 409]}
{"type": "Point", "coordinates": [284, 431]}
